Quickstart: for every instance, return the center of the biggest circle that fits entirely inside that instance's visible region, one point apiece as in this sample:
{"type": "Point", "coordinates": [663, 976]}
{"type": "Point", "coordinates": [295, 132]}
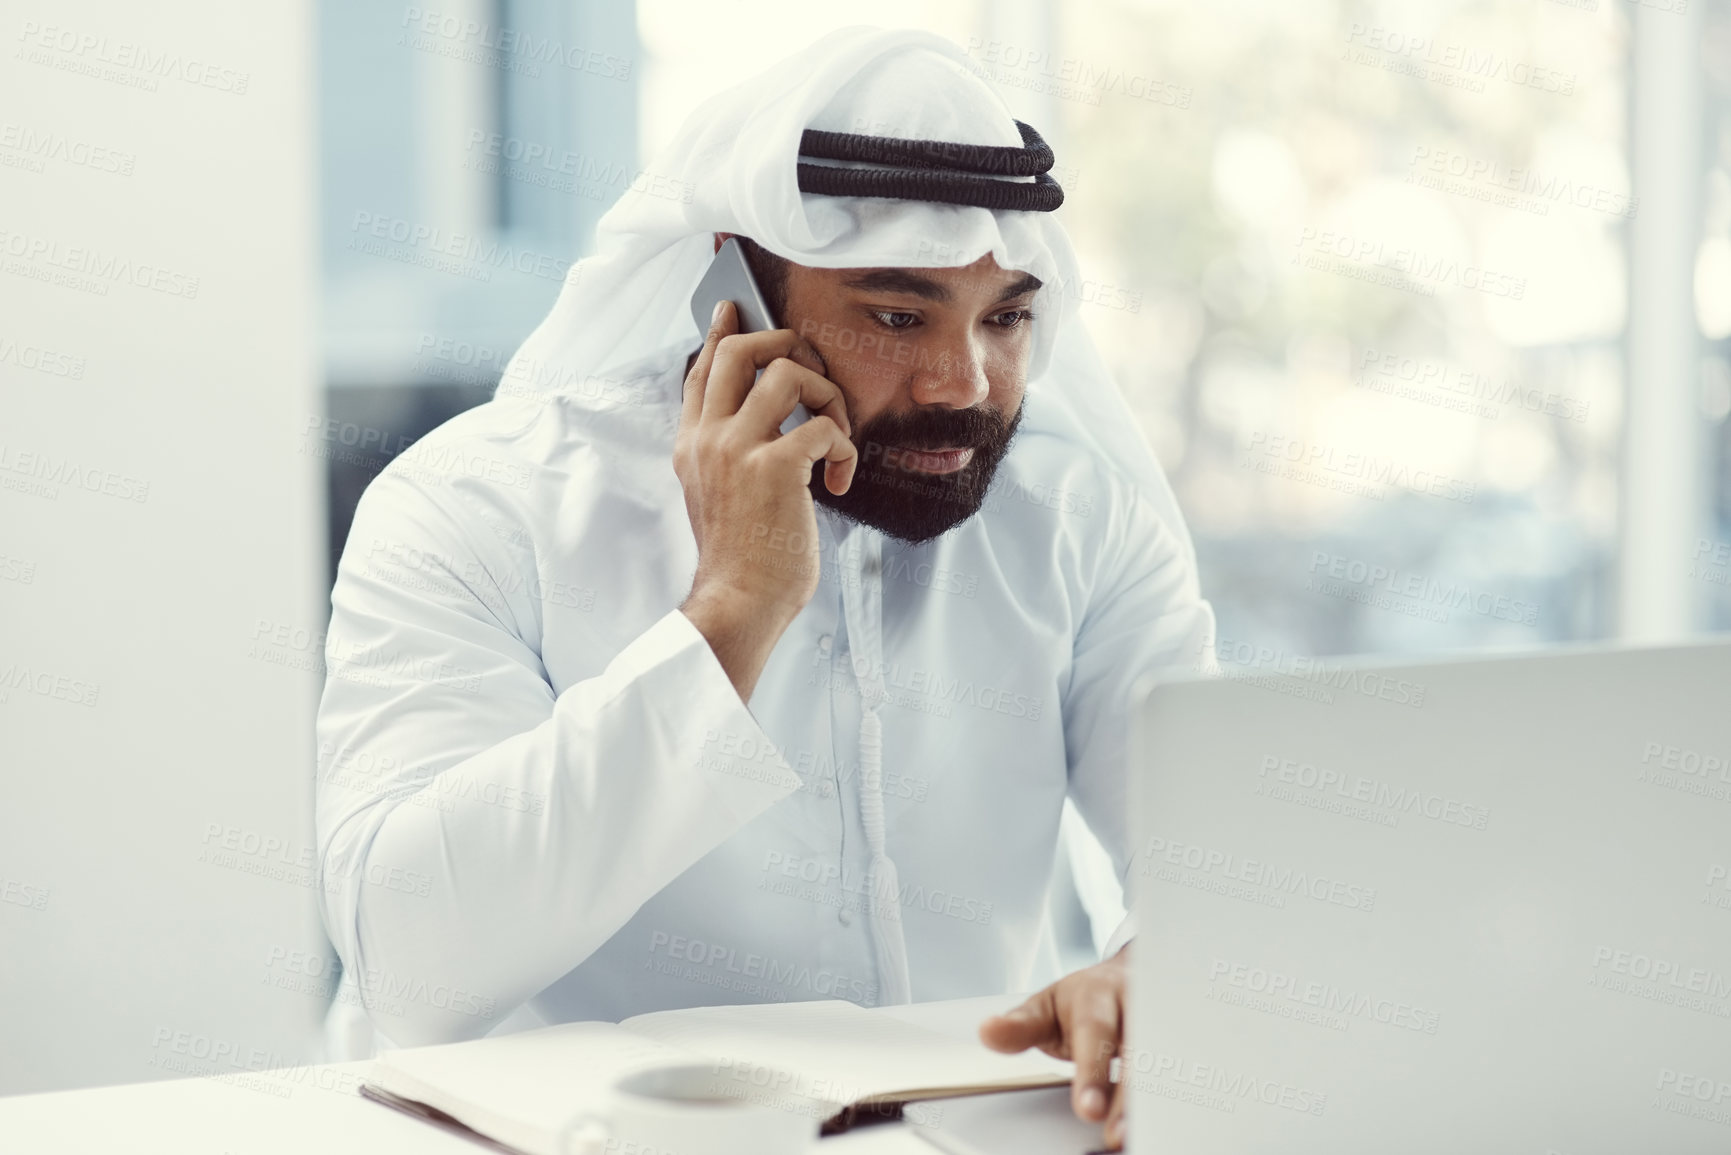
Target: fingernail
{"type": "Point", "coordinates": [716, 316]}
{"type": "Point", "coordinates": [1093, 1102]}
{"type": "Point", "coordinates": [1115, 1132]}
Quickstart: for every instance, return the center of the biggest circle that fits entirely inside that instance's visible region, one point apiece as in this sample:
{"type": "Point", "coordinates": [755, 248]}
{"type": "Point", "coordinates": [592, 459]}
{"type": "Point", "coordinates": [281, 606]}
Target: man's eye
{"type": "Point", "coordinates": [891, 324]}
{"type": "Point", "coordinates": [1016, 317]}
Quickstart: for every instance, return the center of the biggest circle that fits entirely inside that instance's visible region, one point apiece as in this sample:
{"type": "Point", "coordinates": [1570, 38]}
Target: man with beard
{"type": "Point", "coordinates": [642, 693]}
{"type": "Point", "coordinates": [926, 468]}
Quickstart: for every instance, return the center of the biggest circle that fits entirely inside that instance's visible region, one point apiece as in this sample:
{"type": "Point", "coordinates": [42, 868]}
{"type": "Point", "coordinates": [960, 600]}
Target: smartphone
{"type": "Point", "coordinates": [729, 278]}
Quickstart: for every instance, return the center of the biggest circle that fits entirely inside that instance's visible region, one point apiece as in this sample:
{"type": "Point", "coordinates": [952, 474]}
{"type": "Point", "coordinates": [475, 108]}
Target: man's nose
{"type": "Point", "coordinates": [952, 374]}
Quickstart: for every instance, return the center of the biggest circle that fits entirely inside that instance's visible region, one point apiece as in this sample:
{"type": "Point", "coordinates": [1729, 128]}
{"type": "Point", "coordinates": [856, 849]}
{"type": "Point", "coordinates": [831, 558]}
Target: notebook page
{"type": "Point", "coordinates": [520, 1089]}
{"type": "Point", "coordinates": [837, 1052]}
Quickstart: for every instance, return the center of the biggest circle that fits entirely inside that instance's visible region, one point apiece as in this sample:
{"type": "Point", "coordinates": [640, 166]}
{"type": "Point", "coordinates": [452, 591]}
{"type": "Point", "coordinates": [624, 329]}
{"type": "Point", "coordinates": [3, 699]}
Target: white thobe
{"type": "Point", "coordinates": [538, 786]}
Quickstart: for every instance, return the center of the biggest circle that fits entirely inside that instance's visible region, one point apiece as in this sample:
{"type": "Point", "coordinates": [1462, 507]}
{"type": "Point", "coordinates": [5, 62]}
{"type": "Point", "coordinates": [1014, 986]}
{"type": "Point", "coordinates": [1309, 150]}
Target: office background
{"type": "Point", "coordinates": [1423, 306]}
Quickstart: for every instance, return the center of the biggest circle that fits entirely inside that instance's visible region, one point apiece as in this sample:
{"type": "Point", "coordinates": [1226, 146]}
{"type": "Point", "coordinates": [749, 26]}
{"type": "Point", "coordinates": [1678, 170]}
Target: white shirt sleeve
{"type": "Point", "coordinates": [1145, 614]}
{"type": "Point", "coordinates": [479, 836]}
{"type": "Point", "coordinates": [1120, 937]}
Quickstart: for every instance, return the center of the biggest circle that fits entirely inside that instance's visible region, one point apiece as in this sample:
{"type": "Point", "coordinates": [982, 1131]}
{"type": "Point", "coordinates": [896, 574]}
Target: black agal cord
{"type": "Point", "coordinates": [932, 170]}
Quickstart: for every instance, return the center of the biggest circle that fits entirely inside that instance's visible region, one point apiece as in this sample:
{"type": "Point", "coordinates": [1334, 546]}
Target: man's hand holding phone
{"type": "Point", "coordinates": [746, 485]}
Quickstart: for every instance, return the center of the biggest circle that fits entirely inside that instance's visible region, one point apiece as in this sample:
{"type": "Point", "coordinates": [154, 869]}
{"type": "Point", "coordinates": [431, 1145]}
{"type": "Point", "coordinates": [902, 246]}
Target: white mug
{"type": "Point", "coordinates": [691, 1109]}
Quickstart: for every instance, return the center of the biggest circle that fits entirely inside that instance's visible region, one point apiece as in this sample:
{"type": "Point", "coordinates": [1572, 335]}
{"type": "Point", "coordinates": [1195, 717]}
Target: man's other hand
{"type": "Point", "coordinates": [1080, 1017]}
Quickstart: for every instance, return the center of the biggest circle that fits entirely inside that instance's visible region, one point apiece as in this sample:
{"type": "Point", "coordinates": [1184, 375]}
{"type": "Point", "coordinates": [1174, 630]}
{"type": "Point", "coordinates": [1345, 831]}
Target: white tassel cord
{"type": "Point", "coordinates": [863, 604]}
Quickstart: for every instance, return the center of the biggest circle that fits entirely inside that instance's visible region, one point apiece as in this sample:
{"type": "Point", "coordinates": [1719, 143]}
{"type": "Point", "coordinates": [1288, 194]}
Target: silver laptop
{"type": "Point", "coordinates": [1469, 906]}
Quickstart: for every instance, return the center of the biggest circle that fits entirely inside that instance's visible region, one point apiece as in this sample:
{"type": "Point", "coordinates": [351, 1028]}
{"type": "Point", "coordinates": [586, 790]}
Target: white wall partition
{"type": "Point", "coordinates": [160, 520]}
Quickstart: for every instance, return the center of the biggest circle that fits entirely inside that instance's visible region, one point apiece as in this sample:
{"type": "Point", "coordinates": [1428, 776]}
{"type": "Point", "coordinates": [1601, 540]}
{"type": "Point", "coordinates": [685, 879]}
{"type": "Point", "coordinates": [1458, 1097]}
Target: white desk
{"type": "Point", "coordinates": [318, 1109]}
{"type": "Point", "coordinates": [300, 1109]}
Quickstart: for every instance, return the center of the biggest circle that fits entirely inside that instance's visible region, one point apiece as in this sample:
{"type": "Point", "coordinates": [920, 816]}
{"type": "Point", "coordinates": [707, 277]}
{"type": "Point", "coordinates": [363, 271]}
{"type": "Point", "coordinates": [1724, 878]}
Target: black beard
{"type": "Point", "coordinates": [905, 503]}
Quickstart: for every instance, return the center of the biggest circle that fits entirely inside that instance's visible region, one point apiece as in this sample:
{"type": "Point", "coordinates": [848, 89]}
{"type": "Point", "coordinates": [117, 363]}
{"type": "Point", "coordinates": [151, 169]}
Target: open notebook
{"type": "Point", "coordinates": [518, 1090]}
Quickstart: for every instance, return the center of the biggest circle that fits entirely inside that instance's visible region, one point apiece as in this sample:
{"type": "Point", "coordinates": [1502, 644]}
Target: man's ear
{"type": "Point", "coordinates": [720, 237]}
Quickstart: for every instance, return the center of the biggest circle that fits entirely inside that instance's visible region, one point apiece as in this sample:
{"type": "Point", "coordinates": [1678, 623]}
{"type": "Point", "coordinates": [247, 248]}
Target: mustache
{"type": "Point", "coordinates": [971, 428]}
